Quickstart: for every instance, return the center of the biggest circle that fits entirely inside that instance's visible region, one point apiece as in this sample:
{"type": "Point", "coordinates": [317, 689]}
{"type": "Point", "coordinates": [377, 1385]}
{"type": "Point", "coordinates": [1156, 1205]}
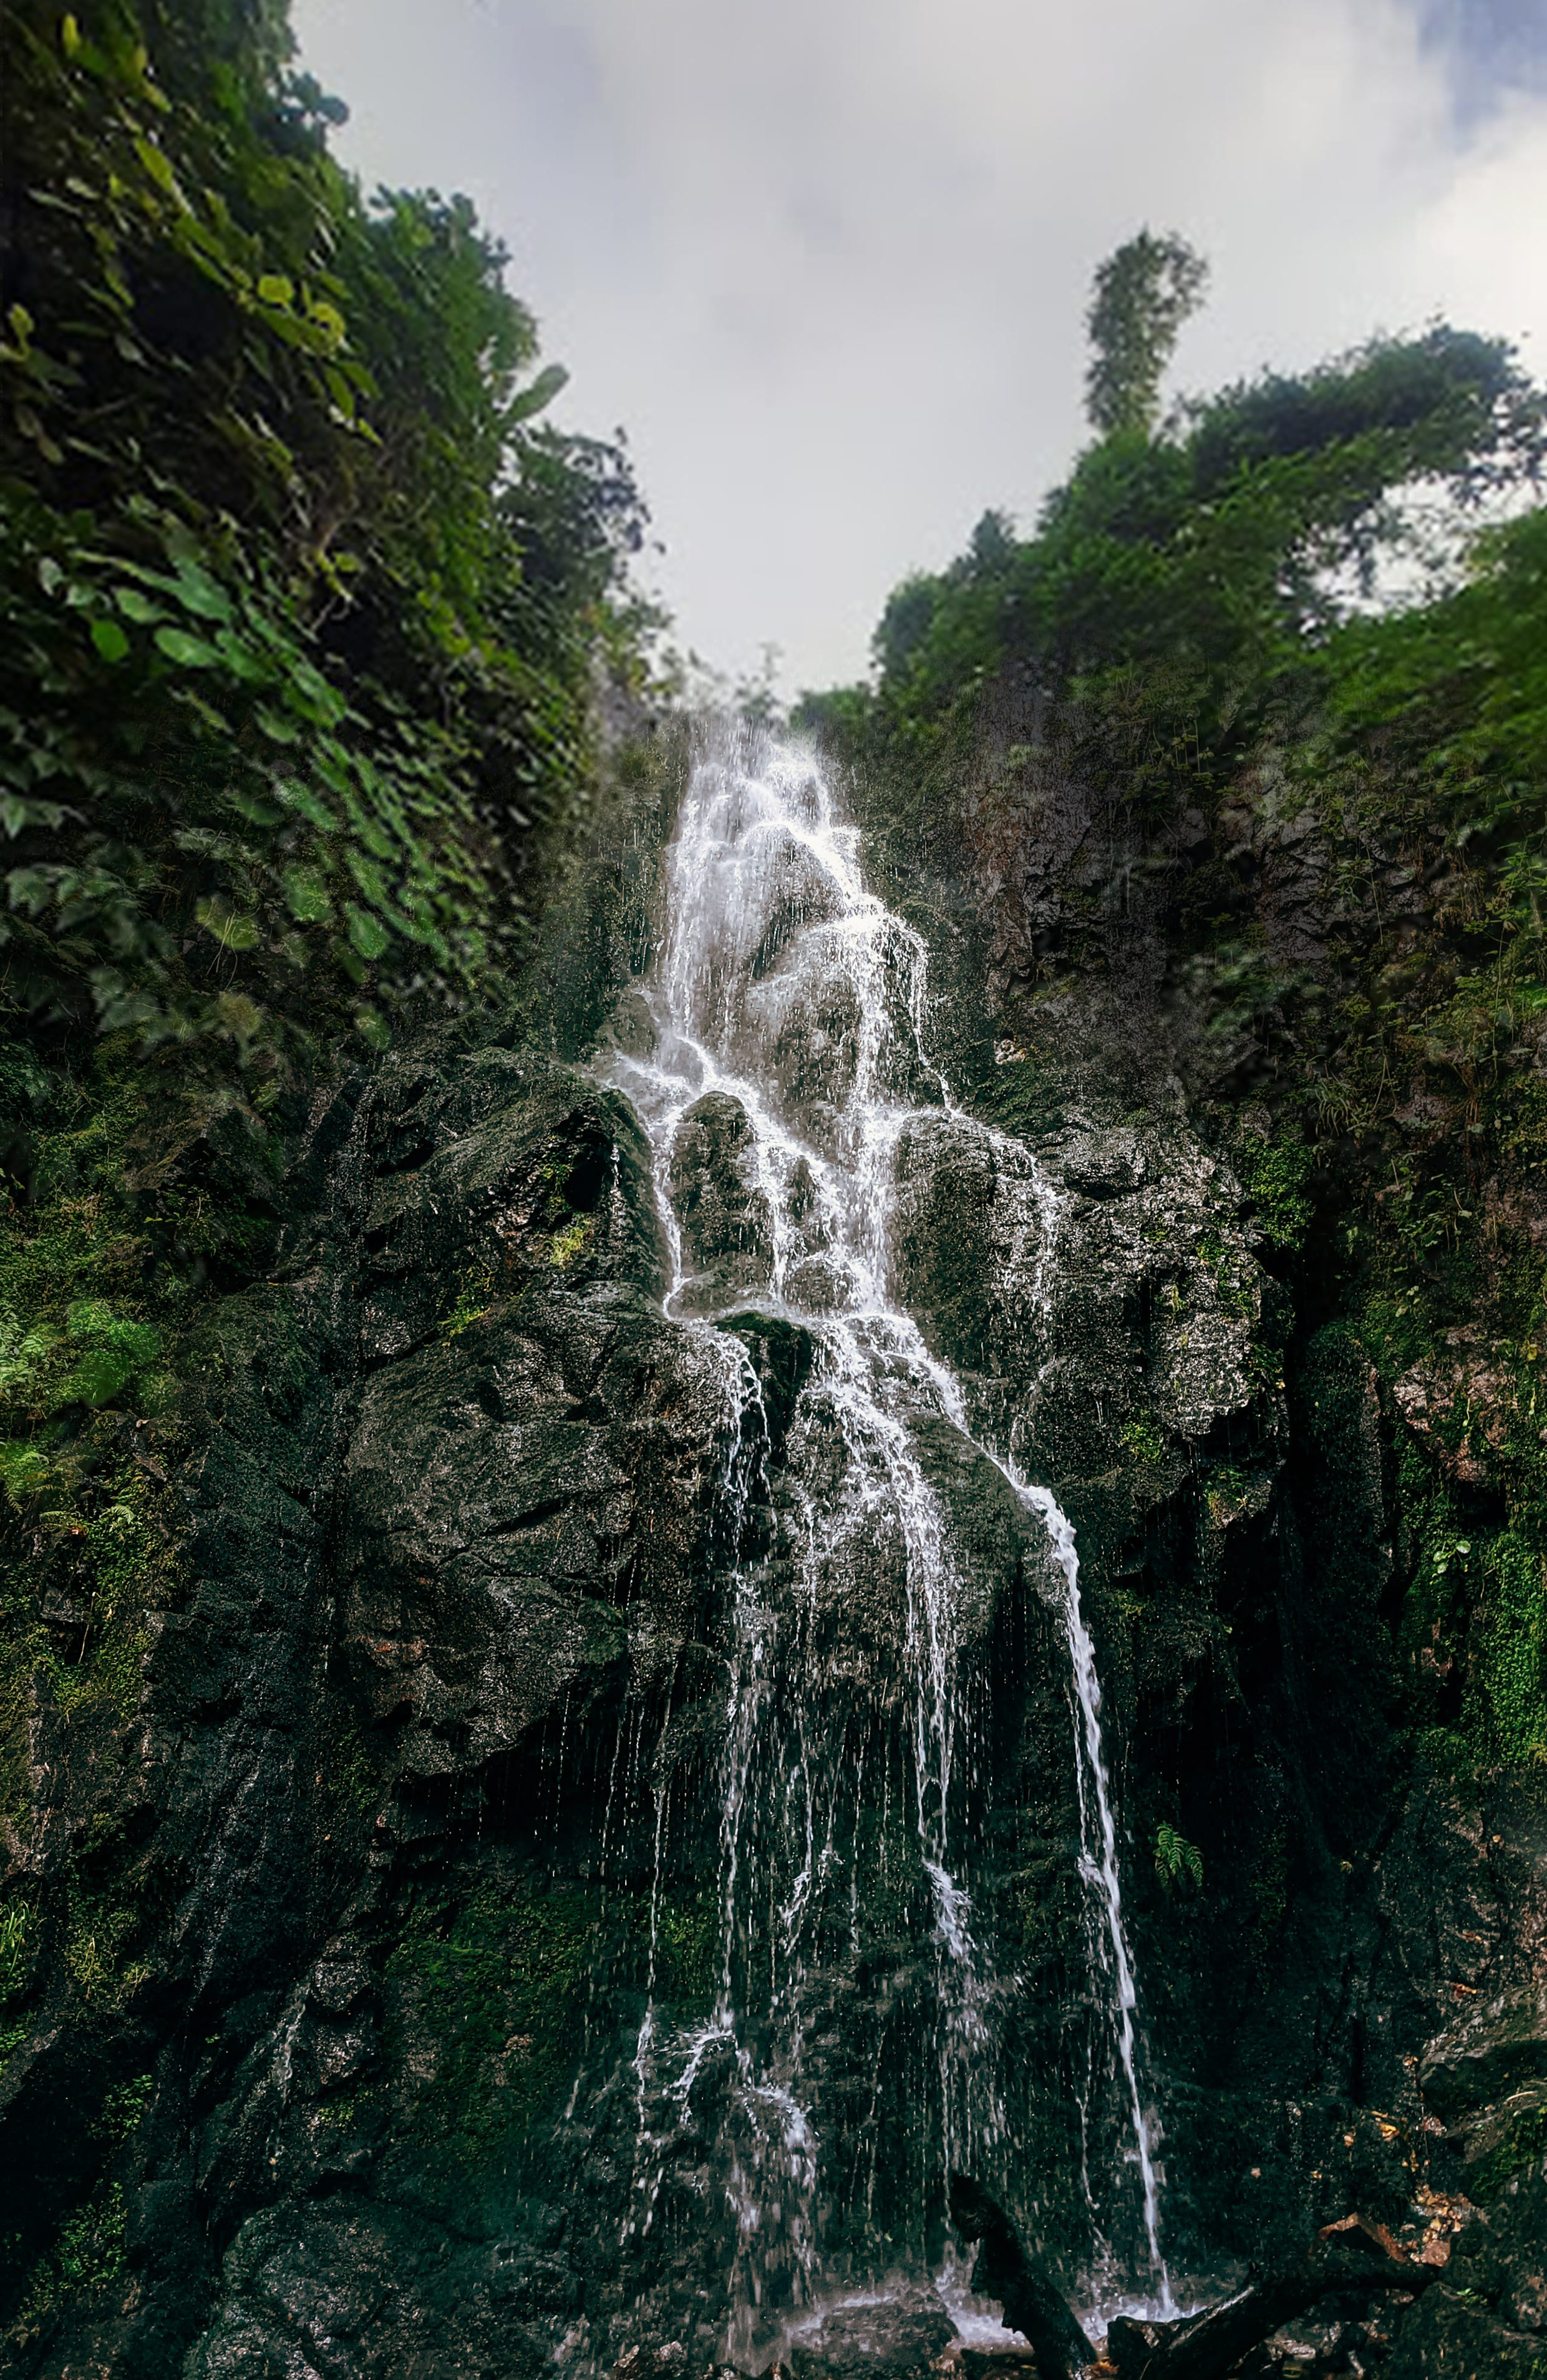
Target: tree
{"type": "Point", "coordinates": [302, 607]}
{"type": "Point", "coordinates": [1143, 292]}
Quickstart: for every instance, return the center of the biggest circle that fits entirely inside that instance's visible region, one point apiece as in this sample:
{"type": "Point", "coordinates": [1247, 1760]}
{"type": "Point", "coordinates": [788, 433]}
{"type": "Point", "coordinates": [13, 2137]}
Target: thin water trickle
{"type": "Point", "coordinates": [791, 1010]}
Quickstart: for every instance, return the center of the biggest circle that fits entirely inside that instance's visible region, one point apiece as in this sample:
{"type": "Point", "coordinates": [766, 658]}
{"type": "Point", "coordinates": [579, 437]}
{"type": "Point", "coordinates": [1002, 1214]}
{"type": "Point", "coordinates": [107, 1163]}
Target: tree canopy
{"type": "Point", "coordinates": [1145, 292]}
{"type": "Point", "coordinates": [303, 603]}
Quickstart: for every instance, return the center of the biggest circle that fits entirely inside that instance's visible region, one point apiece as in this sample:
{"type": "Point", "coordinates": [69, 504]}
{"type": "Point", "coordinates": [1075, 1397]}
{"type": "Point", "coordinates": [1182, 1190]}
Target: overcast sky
{"type": "Point", "coordinates": [827, 260]}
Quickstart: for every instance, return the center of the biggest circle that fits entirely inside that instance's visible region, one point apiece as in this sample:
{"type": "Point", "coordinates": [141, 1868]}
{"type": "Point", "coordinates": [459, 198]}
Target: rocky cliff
{"type": "Point", "coordinates": [343, 1915]}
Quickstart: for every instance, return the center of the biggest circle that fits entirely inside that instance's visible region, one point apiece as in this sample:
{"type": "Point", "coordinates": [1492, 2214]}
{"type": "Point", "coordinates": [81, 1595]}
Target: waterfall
{"type": "Point", "coordinates": [787, 1057]}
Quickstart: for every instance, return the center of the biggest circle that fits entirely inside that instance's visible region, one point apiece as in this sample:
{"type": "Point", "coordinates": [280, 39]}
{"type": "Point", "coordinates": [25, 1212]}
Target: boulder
{"type": "Point", "coordinates": [892, 2336]}
{"type": "Point", "coordinates": [1489, 2051]}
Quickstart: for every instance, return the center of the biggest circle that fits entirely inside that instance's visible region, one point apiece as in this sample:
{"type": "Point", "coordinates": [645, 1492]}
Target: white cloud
{"type": "Point", "coordinates": [827, 260]}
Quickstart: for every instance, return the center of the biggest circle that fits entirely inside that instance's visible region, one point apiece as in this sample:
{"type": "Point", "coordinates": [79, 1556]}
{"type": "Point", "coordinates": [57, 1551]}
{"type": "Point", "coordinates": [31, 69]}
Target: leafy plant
{"type": "Point", "coordinates": [302, 606]}
{"type": "Point", "coordinates": [1144, 1441]}
{"type": "Point", "coordinates": [1178, 1863]}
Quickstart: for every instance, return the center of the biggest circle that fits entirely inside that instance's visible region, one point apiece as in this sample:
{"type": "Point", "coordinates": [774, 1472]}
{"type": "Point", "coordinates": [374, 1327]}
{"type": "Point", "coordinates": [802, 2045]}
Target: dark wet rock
{"type": "Point", "coordinates": [1488, 2052]}
{"type": "Point", "coordinates": [781, 1355]}
{"type": "Point", "coordinates": [1489, 2312]}
{"type": "Point", "coordinates": [725, 1220]}
{"type": "Point", "coordinates": [1446, 2335]}
{"type": "Point", "coordinates": [898, 2334]}
{"type": "Point", "coordinates": [1107, 1165]}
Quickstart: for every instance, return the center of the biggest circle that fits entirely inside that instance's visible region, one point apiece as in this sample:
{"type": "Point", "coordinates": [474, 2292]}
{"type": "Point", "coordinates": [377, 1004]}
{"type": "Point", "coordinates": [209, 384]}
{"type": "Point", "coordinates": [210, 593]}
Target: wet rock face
{"type": "Point", "coordinates": [433, 1752]}
{"type": "Point", "coordinates": [448, 1504]}
{"type": "Point", "coordinates": [1490, 2313]}
{"type": "Point", "coordinates": [1488, 2053]}
{"type": "Point", "coordinates": [898, 2336]}
{"type": "Point", "coordinates": [1098, 1278]}
{"type": "Point", "coordinates": [724, 1216]}
{"type": "Point", "coordinates": [430, 1776]}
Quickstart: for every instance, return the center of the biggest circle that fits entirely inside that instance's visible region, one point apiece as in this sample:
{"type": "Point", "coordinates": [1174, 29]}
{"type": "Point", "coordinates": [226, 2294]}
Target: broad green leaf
{"type": "Point", "coordinates": [190, 652]}
{"type": "Point", "coordinates": [308, 896]}
{"type": "Point", "coordinates": [274, 289]}
{"type": "Point", "coordinates": [197, 591]}
{"type": "Point", "coordinates": [241, 660]}
{"type": "Point", "coordinates": [541, 395]}
{"type": "Point", "coordinates": [274, 725]}
{"type": "Point", "coordinates": [367, 933]}
{"type": "Point", "coordinates": [31, 889]}
{"type": "Point", "coordinates": [110, 640]}
{"type": "Point", "coordinates": [134, 605]}
{"type": "Point", "coordinates": [319, 701]}
{"type": "Point", "coordinates": [299, 798]}
{"type": "Point", "coordinates": [158, 164]}
{"type": "Point", "coordinates": [256, 811]}
{"type": "Point", "coordinates": [368, 878]}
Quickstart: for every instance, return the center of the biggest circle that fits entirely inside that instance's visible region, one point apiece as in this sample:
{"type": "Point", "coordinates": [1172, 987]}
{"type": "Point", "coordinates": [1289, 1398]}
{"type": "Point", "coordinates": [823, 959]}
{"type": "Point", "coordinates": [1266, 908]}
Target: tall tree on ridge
{"type": "Point", "coordinates": [1143, 292]}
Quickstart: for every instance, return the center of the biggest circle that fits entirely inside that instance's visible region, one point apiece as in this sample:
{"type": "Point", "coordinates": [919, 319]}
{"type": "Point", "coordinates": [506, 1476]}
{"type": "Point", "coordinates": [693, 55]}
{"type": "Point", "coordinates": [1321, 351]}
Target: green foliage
{"type": "Point", "coordinates": [300, 606]}
{"type": "Point", "coordinates": [1275, 1174]}
{"type": "Point", "coordinates": [1144, 1441]}
{"type": "Point", "coordinates": [473, 1301]}
{"type": "Point", "coordinates": [87, 2254]}
{"type": "Point", "coordinates": [1508, 1646]}
{"type": "Point", "coordinates": [124, 2108]}
{"type": "Point", "coordinates": [1143, 294]}
{"type": "Point", "coordinates": [1178, 1863]}
{"type": "Point", "coordinates": [1172, 645]}
{"type": "Point", "coordinates": [1450, 700]}
{"type": "Point", "coordinates": [1175, 618]}
{"type": "Point", "coordinates": [687, 1942]}
{"type": "Point", "coordinates": [570, 1242]}
{"type": "Point", "coordinates": [16, 1921]}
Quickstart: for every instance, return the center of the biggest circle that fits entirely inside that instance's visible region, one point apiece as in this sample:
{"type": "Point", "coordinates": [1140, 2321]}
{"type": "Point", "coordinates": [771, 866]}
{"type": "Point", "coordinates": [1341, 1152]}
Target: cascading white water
{"type": "Point", "coordinates": [788, 999]}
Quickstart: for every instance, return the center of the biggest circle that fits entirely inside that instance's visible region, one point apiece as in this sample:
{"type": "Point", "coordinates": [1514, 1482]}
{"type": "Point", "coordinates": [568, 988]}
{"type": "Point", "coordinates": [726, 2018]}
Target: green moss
{"type": "Point", "coordinates": [105, 1917]}
{"type": "Point", "coordinates": [352, 1770]}
{"type": "Point", "coordinates": [1524, 2143]}
{"type": "Point", "coordinates": [1276, 1175]}
{"type": "Point", "coordinates": [500, 1992]}
{"type": "Point", "coordinates": [17, 1922]}
{"type": "Point", "coordinates": [472, 1304]}
{"type": "Point", "coordinates": [1509, 1659]}
{"type": "Point", "coordinates": [124, 2108]}
{"type": "Point", "coordinates": [687, 1944]}
{"type": "Point", "coordinates": [74, 1596]}
{"type": "Point", "coordinates": [1225, 1491]}
{"type": "Point", "coordinates": [569, 1244]}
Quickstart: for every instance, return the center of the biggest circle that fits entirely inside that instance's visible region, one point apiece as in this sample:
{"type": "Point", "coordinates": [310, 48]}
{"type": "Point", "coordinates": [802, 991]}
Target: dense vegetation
{"type": "Point", "coordinates": [303, 616]}
{"type": "Point", "coordinates": [301, 604]}
{"type": "Point", "coordinates": [1329, 811]}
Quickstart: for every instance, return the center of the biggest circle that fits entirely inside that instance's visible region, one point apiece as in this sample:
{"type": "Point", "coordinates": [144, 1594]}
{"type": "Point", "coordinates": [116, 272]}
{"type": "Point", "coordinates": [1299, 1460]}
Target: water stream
{"type": "Point", "coordinates": [787, 1056]}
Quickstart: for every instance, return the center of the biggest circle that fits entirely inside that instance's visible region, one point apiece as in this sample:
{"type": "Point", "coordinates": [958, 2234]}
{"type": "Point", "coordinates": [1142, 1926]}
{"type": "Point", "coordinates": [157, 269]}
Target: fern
{"type": "Point", "coordinates": [1178, 1863]}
